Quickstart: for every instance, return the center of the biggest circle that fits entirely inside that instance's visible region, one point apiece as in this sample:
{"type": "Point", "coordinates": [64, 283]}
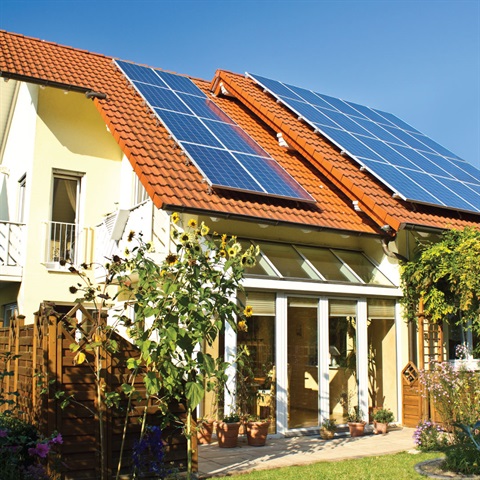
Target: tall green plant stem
{"type": "Point", "coordinates": [125, 423]}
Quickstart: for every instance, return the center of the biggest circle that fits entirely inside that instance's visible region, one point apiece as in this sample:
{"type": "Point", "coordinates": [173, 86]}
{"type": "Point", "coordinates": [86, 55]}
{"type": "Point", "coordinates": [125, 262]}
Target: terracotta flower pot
{"type": "Point", "coordinates": [257, 433]}
{"type": "Point", "coordinates": [326, 434]}
{"type": "Point", "coordinates": [227, 434]}
{"type": "Point", "coordinates": [380, 428]}
{"type": "Point", "coordinates": [205, 432]}
{"type": "Point", "coordinates": [357, 429]}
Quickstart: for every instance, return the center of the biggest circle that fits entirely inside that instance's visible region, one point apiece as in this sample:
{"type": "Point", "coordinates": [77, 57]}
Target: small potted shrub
{"type": "Point", "coordinates": [227, 431]}
{"type": "Point", "coordinates": [356, 423]}
{"type": "Point", "coordinates": [381, 418]}
{"type": "Point", "coordinates": [328, 428]}
{"type": "Point", "coordinates": [257, 430]}
{"type": "Point", "coordinates": [205, 430]}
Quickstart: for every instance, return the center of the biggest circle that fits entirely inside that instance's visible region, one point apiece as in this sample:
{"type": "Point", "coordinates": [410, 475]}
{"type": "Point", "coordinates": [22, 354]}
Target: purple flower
{"type": "Point", "coordinates": [57, 440]}
{"type": "Point", "coordinates": [41, 450]}
{"type": "Point", "coordinates": [3, 433]}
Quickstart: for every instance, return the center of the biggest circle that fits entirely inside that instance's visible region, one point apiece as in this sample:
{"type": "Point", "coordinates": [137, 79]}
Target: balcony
{"type": "Point", "coordinates": [11, 259]}
{"type": "Point", "coordinates": [62, 244]}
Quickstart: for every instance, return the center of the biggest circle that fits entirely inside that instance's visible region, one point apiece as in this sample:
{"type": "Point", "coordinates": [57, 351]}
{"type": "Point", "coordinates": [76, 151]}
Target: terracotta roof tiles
{"type": "Point", "coordinates": [342, 171]}
{"type": "Point", "coordinates": [333, 180]}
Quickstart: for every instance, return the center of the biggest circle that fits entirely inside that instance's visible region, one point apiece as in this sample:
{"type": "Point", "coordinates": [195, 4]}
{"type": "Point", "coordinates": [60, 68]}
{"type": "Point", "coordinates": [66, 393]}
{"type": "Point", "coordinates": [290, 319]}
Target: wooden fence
{"type": "Point", "coordinates": [45, 362]}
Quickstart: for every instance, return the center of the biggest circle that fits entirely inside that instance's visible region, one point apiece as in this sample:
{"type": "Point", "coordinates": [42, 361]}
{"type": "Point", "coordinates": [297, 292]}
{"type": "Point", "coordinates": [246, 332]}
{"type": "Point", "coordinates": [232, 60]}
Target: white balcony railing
{"type": "Point", "coordinates": [62, 242]}
{"type": "Point", "coordinates": [11, 236]}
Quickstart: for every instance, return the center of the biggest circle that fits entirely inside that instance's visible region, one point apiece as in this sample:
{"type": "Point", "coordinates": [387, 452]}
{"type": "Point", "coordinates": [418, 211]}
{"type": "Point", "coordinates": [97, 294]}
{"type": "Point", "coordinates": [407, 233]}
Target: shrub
{"type": "Point", "coordinates": [329, 424]}
{"type": "Point", "coordinates": [383, 415]}
{"type": "Point", "coordinates": [429, 437]}
{"type": "Point", "coordinates": [23, 450]}
{"type": "Point", "coordinates": [463, 458]}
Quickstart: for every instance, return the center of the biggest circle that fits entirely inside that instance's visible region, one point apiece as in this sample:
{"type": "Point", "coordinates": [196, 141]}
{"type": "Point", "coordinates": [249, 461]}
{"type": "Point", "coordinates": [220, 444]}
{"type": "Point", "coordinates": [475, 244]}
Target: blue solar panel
{"type": "Point", "coordinates": [411, 164]}
{"type": "Point", "coordinates": [187, 128]}
{"type": "Point", "coordinates": [225, 155]}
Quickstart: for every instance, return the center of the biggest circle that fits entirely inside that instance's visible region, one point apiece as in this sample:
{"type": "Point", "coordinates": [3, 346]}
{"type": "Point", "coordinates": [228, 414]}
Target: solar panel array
{"type": "Point", "coordinates": [415, 167]}
{"type": "Point", "coordinates": [225, 155]}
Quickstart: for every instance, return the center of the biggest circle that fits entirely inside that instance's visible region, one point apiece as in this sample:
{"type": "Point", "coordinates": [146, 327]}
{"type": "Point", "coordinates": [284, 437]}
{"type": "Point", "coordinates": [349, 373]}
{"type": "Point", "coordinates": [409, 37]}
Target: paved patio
{"type": "Point", "coordinates": [282, 452]}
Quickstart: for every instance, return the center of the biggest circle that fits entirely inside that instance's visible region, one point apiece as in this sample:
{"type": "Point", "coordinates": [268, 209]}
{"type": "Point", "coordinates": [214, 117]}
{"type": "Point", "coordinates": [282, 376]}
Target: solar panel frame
{"type": "Point", "coordinates": [209, 137]}
{"type": "Point", "coordinates": [405, 160]}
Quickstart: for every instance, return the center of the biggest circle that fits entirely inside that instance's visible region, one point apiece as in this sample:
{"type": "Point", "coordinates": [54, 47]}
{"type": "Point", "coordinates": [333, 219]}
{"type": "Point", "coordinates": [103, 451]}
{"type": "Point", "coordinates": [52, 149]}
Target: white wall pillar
{"type": "Point", "coordinates": [281, 349]}
{"type": "Point", "coordinates": [323, 360]}
{"type": "Point", "coordinates": [362, 357]}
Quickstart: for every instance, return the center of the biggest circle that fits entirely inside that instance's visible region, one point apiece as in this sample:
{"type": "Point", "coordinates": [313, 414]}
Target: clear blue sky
{"type": "Point", "coordinates": [417, 59]}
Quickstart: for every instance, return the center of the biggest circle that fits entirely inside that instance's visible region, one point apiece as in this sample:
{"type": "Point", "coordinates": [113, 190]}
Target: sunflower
{"type": "Point", "coordinates": [204, 230]}
{"type": "Point", "coordinates": [242, 326]}
{"type": "Point", "coordinates": [237, 247]}
{"type": "Point", "coordinates": [175, 217]}
{"type": "Point", "coordinates": [222, 253]}
{"type": "Point", "coordinates": [248, 311]}
{"type": "Point", "coordinates": [192, 223]}
{"type": "Point", "coordinates": [184, 237]}
{"type": "Point", "coordinates": [171, 259]}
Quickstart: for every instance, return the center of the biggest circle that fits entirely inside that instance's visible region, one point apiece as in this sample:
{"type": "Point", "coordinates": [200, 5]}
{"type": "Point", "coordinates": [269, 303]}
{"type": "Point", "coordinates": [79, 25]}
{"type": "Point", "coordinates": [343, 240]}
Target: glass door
{"type": "Point", "coordinates": [302, 362]}
{"type": "Point", "coordinates": [342, 332]}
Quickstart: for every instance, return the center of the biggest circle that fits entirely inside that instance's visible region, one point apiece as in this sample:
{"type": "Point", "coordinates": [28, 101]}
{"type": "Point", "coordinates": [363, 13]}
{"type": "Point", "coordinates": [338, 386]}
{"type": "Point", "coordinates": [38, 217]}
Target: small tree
{"type": "Point", "coordinates": [180, 305]}
{"type": "Point", "coordinates": [446, 275]}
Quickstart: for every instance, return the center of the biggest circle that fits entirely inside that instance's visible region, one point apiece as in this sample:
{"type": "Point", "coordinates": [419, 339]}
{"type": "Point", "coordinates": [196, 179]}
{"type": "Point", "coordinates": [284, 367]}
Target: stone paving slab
{"type": "Point", "coordinates": [282, 452]}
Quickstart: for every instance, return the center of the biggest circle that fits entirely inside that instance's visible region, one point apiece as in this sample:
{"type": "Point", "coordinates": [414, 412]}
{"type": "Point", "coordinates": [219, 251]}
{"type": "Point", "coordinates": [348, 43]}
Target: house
{"type": "Point", "coordinates": [91, 150]}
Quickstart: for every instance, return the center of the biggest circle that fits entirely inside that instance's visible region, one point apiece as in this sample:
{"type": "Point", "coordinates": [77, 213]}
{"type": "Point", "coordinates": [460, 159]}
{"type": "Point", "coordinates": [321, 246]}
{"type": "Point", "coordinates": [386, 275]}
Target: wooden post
{"type": "Point", "coordinates": [421, 335]}
{"type": "Point", "coordinates": [52, 371]}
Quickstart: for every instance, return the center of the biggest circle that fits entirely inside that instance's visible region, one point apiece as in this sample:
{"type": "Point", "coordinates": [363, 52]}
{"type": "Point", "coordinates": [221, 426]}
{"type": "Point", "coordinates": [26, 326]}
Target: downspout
{"type": "Point", "coordinates": [388, 252]}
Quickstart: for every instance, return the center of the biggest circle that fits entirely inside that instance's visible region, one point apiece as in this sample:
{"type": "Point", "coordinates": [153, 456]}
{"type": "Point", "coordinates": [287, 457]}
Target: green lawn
{"type": "Point", "coordinates": [397, 467]}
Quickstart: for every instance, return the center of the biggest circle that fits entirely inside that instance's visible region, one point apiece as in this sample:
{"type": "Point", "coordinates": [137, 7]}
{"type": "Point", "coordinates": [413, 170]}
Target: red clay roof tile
{"type": "Point", "coordinates": [171, 183]}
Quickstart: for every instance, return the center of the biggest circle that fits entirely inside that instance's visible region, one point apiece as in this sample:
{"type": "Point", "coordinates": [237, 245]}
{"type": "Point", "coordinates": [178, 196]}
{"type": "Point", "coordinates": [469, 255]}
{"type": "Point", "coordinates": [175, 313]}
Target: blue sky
{"type": "Point", "coordinates": [417, 59]}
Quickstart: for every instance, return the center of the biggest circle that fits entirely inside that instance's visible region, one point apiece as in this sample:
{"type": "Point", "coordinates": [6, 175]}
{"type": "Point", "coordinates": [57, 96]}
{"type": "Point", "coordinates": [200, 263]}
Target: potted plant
{"type": "Point", "coordinates": [328, 428]}
{"type": "Point", "coordinates": [227, 431]}
{"type": "Point", "coordinates": [257, 430]}
{"type": "Point", "coordinates": [205, 430]}
{"type": "Point", "coordinates": [356, 423]}
{"type": "Point", "coordinates": [381, 418]}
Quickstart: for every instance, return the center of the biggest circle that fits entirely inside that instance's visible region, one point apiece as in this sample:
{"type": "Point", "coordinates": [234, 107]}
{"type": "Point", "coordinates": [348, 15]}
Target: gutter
{"type": "Point", "coordinates": [51, 83]}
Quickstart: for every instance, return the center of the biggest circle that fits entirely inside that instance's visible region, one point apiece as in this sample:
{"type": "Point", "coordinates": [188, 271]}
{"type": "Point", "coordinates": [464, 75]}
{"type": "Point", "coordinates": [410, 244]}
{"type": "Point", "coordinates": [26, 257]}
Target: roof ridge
{"type": "Point", "coordinates": [54, 44]}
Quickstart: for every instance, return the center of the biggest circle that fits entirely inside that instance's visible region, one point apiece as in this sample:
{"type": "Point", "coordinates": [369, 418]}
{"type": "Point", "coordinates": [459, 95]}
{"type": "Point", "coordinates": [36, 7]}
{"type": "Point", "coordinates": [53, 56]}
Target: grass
{"type": "Point", "coordinates": [399, 467]}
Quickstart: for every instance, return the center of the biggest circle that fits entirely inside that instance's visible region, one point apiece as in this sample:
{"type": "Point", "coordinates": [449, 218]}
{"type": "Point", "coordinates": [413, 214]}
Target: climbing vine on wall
{"type": "Point", "coordinates": [446, 274]}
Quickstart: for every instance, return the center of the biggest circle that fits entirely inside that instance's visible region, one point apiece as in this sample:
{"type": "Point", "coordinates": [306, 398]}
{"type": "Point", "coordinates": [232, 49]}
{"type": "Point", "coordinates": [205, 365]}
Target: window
{"type": "Point", "coordinates": [9, 311]}
{"type": "Point", "coordinates": [62, 241]}
{"type": "Point", "coordinates": [139, 192]}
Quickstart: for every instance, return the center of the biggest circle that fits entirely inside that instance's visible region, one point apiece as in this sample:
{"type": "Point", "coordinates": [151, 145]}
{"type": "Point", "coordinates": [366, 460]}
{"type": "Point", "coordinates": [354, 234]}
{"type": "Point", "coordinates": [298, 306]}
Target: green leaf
{"type": "Point", "coordinates": [132, 363]}
{"type": "Point", "coordinates": [194, 393]}
{"type": "Point", "coordinates": [152, 383]}
{"type": "Point", "coordinates": [127, 388]}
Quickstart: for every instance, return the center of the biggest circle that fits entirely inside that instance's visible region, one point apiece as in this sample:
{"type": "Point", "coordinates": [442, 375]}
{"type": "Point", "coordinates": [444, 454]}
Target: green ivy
{"type": "Point", "coordinates": [446, 275]}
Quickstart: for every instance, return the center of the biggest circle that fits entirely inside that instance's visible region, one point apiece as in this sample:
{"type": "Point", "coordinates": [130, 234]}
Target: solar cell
{"type": "Point", "coordinates": [218, 147]}
{"type": "Point", "coordinates": [412, 165]}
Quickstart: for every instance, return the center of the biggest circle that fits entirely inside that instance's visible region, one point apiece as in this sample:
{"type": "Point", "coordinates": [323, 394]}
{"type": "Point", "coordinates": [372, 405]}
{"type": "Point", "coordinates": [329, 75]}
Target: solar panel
{"type": "Point", "coordinates": [412, 165]}
{"type": "Point", "coordinates": [224, 154]}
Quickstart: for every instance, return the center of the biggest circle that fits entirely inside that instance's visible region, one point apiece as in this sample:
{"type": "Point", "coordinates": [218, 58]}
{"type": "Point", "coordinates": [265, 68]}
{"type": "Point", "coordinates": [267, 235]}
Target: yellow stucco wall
{"type": "Point", "coordinates": [70, 135]}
